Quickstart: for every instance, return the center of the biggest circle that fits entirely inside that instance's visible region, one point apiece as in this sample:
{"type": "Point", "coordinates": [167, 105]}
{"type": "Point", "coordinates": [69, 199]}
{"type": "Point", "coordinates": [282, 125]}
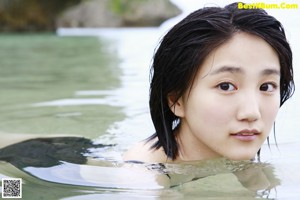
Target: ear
{"type": "Point", "coordinates": [176, 105]}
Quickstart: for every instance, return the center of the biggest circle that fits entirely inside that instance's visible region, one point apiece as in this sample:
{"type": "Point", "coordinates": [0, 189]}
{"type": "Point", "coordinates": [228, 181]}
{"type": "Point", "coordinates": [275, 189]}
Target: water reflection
{"type": "Point", "coordinates": [70, 160]}
{"type": "Point", "coordinates": [48, 152]}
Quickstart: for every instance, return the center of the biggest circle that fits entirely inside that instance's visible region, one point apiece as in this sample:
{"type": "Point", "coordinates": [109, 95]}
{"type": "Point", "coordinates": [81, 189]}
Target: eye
{"type": "Point", "coordinates": [268, 87]}
{"type": "Point", "coordinates": [227, 86]}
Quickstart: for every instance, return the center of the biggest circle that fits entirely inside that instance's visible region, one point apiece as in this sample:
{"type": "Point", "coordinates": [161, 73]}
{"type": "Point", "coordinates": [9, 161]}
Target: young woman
{"type": "Point", "coordinates": [219, 78]}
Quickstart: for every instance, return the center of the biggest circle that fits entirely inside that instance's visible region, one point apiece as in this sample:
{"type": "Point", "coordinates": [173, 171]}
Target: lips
{"type": "Point", "coordinates": [246, 135]}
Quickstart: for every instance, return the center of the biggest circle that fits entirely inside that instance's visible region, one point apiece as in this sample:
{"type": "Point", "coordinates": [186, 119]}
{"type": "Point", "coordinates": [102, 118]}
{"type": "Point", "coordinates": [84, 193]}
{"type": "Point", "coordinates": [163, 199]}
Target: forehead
{"type": "Point", "coordinates": [243, 50]}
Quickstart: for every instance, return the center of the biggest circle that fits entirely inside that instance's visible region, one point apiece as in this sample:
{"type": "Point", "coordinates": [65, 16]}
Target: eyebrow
{"type": "Point", "coordinates": [227, 69]}
{"type": "Point", "coordinates": [267, 72]}
{"type": "Point", "coordinates": [234, 70]}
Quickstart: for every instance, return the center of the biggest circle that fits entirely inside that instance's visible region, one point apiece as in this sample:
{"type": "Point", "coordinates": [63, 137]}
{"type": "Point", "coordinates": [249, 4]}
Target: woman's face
{"type": "Point", "coordinates": [233, 101]}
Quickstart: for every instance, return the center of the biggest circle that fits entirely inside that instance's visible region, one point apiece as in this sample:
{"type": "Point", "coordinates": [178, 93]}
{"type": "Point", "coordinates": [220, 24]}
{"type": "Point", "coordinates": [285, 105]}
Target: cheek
{"type": "Point", "coordinates": [270, 111]}
{"type": "Point", "coordinates": [216, 113]}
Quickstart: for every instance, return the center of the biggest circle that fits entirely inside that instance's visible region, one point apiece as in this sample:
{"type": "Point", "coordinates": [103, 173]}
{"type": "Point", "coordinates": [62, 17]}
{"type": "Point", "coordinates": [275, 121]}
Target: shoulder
{"type": "Point", "coordinates": [143, 152]}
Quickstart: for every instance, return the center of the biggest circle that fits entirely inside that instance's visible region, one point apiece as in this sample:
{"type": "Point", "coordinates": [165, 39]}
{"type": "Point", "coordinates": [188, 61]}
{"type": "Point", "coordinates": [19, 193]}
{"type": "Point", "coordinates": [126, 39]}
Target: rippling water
{"type": "Point", "coordinates": [111, 108]}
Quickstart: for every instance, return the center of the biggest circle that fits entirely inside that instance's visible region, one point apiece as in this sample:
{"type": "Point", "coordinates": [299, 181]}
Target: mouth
{"type": "Point", "coordinates": [246, 135]}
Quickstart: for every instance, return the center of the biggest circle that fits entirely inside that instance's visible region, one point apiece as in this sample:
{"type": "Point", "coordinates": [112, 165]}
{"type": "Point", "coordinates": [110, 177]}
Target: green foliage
{"type": "Point", "coordinates": [122, 6]}
{"type": "Point", "coordinates": [117, 6]}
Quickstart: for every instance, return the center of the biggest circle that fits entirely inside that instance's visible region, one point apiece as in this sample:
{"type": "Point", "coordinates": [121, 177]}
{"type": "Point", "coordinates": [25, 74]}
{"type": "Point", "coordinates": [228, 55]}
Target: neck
{"type": "Point", "coordinates": [191, 148]}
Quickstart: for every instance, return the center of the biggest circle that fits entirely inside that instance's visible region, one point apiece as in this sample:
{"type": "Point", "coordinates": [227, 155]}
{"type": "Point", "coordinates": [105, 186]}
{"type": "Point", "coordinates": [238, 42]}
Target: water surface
{"type": "Point", "coordinates": [93, 91]}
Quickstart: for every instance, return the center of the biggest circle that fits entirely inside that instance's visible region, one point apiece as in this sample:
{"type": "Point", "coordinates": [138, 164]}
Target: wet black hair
{"type": "Point", "coordinates": [183, 49]}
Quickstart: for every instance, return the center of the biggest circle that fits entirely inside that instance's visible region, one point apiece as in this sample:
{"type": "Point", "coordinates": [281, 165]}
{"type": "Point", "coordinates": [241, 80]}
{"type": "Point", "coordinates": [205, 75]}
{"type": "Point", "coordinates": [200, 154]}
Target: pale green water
{"type": "Point", "coordinates": [41, 68]}
{"type": "Point", "coordinates": [97, 87]}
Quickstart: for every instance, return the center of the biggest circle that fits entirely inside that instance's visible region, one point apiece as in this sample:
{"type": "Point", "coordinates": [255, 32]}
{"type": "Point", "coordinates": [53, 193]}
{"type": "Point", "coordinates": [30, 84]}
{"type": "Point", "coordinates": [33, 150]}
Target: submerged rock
{"type": "Point", "coordinates": [118, 13]}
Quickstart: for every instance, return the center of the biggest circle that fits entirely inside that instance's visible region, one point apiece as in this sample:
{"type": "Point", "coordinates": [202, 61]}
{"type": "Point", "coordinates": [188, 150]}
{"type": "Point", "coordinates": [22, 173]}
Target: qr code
{"type": "Point", "coordinates": [11, 188]}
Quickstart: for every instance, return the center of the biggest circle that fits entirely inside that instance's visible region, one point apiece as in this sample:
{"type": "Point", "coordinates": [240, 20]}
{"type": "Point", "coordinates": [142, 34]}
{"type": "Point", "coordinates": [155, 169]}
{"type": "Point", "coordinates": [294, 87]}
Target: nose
{"type": "Point", "coordinates": [249, 109]}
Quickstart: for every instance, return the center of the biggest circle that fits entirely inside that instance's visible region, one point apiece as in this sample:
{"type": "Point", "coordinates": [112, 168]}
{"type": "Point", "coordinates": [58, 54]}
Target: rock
{"type": "Point", "coordinates": [31, 15]}
{"type": "Point", "coordinates": [118, 13]}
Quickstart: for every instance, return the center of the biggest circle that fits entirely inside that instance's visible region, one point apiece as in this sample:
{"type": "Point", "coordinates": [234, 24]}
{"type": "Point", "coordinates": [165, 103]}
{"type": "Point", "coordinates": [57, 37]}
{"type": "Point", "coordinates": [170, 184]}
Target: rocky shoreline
{"type": "Point", "coordinates": [101, 13]}
{"type": "Point", "coordinates": [34, 15]}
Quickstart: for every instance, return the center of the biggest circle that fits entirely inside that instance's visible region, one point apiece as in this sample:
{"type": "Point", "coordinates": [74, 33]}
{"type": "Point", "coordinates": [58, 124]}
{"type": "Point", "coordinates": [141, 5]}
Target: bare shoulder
{"type": "Point", "coordinates": [143, 152]}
